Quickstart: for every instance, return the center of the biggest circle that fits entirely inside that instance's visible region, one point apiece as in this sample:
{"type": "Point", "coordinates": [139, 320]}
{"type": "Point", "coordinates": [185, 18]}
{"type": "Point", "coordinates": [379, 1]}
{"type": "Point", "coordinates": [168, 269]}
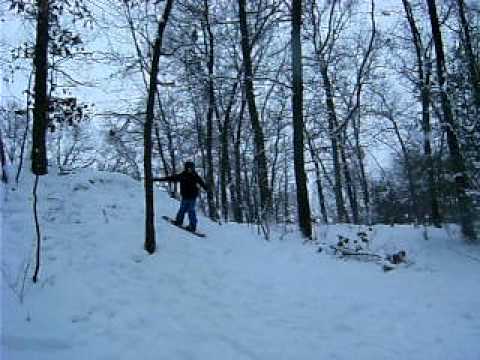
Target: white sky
{"type": "Point", "coordinates": [120, 95]}
{"type": "Point", "coordinates": [109, 95]}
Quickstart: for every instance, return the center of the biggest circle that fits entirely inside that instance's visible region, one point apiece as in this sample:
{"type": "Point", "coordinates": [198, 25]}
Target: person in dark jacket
{"type": "Point", "coordinates": [188, 180]}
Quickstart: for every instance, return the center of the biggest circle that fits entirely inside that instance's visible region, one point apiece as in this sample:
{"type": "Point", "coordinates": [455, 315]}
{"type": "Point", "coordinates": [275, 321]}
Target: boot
{"type": "Point", "coordinates": [190, 228]}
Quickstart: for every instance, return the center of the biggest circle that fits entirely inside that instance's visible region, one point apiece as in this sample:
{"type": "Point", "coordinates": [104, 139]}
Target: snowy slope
{"type": "Point", "coordinates": [231, 295]}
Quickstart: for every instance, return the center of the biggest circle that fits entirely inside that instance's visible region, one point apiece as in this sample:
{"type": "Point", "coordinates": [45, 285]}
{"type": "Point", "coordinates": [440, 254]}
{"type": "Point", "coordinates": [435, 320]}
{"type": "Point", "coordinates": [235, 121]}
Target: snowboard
{"type": "Point", "coordinates": [171, 221]}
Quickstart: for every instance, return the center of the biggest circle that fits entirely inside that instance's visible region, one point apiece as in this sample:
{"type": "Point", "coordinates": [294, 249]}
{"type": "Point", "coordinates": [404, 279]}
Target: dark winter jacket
{"type": "Point", "coordinates": [188, 183]}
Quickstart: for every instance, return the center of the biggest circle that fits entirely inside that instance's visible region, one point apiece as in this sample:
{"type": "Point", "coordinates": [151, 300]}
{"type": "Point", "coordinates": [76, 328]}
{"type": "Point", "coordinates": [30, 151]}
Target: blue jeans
{"type": "Point", "coordinates": [187, 206]}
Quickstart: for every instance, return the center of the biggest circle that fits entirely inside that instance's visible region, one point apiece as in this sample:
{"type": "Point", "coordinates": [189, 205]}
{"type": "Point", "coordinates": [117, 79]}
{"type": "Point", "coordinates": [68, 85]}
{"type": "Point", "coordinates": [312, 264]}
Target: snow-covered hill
{"type": "Point", "coordinates": [231, 295]}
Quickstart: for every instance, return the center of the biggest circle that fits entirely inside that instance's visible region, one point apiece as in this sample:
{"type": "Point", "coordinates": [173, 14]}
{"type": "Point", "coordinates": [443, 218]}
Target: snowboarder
{"type": "Point", "coordinates": [188, 180]}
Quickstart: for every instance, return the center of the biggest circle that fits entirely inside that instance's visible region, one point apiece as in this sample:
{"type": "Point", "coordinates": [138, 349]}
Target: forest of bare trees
{"type": "Point", "coordinates": [304, 112]}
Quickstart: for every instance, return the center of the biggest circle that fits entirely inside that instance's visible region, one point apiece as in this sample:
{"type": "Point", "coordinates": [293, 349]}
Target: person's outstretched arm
{"type": "Point", "coordinates": [201, 182]}
{"type": "Point", "coordinates": [167, 178]}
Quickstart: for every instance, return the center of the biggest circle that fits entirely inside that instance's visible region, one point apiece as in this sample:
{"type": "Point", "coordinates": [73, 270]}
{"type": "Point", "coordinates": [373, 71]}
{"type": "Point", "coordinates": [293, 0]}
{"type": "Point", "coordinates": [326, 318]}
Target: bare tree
{"type": "Point", "coordinates": [40, 110]}
{"type": "Point", "coordinates": [362, 74]}
{"type": "Point", "coordinates": [150, 243]}
{"type": "Point", "coordinates": [322, 47]}
{"type": "Point", "coordinates": [473, 66]}
{"type": "Point", "coordinates": [423, 63]}
{"type": "Point", "coordinates": [212, 210]}
{"type": "Point", "coordinates": [238, 209]}
{"type": "Point", "coordinates": [3, 160]}
{"type": "Point", "coordinates": [260, 155]}
{"type": "Point", "coordinates": [388, 111]}
{"type": "Point", "coordinates": [457, 161]}
{"type": "Point", "coordinates": [303, 205]}
{"type": "Point", "coordinates": [318, 174]}
{"type": "Point", "coordinates": [225, 174]}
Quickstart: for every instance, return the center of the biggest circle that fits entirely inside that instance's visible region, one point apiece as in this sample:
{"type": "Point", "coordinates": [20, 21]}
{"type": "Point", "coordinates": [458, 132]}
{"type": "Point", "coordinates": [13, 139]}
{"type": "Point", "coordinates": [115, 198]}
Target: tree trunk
{"type": "Point", "coordinates": [238, 206]}
{"type": "Point", "coordinates": [171, 147]}
{"type": "Point", "coordinates": [276, 153]}
{"type": "Point", "coordinates": [303, 205]}
{"type": "Point", "coordinates": [160, 150]}
{"type": "Point", "coordinates": [321, 197]}
{"type": "Point", "coordinates": [356, 124]}
{"type": "Point", "coordinates": [408, 169]}
{"type": "Point", "coordinates": [37, 230]}
{"type": "Point", "coordinates": [212, 210]}
{"type": "Point", "coordinates": [286, 180]}
{"type": "Point", "coordinates": [332, 121]}
{"type": "Point", "coordinates": [248, 193]}
{"type": "Point", "coordinates": [427, 149]}
{"type": "Point", "coordinates": [260, 155]}
{"type": "Point", "coordinates": [25, 134]}
{"type": "Point", "coordinates": [363, 176]}
{"type": "Point", "coordinates": [423, 69]}
{"type": "Point", "coordinates": [40, 109]}
{"type": "Point", "coordinates": [150, 244]}
{"type": "Point", "coordinates": [427, 146]}
{"type": "Point", "coordinates": [201, 145]}
{"type": "Point", "coordinates": [3, 160]}
{"type": "Point", "coordinates": [225, 170]}
{"type": "Point", "coordinates": [473, 65]}
{"type": "Point", "coordinates": [456, 159]}
{"type": "Point", "coordinates": [351, 194]}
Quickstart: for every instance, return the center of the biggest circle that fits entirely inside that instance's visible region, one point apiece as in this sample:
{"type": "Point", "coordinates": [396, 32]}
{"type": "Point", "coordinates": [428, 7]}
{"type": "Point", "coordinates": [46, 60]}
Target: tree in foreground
{"type": "Point", "coordinates": [303, 205]}
{"type": "Point", "coordinates": [457, 162]}
{"type": "Point", "coordinates": [150, 243]}
{"type": "Point", "coordinates": [40, 109]}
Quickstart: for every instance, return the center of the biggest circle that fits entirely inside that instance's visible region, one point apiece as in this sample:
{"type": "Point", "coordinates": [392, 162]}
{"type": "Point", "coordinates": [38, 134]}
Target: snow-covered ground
{"type": "Point", "coordinates": [231, 295]}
